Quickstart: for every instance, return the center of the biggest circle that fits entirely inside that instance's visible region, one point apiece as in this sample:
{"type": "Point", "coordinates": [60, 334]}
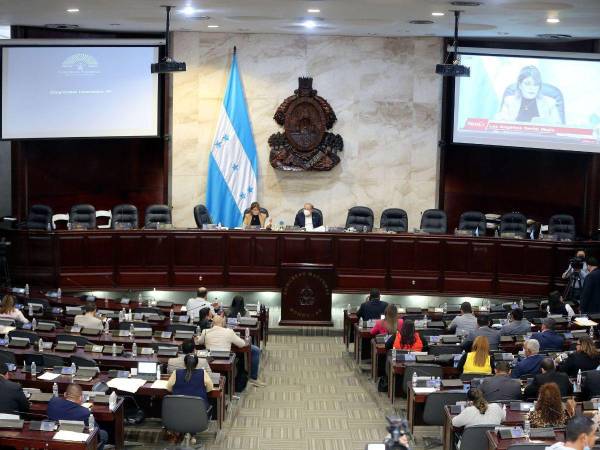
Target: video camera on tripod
{"type": "Point", "coordinates": [574, 285]}
{"type": "Point", "coordinates": [577, 263]}
{"type": "Point", "coordinates": [398, 428]}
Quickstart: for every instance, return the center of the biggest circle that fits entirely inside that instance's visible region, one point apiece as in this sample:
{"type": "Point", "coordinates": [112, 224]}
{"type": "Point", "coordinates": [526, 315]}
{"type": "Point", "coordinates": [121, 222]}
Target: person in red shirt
{"type": "Point", "coordinates": [390, 324]}
{"type": "Point", "coordinates": [406, 338]}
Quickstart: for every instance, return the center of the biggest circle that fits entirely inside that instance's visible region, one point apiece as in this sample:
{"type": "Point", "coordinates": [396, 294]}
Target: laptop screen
{"type": "Point", "coordinates": [146, 367]}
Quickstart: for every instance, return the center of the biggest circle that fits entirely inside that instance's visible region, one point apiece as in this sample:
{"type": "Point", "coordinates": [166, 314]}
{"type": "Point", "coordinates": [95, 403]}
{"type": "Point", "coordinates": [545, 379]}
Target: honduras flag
{"type": "Point", "coordinates": [232, 166]}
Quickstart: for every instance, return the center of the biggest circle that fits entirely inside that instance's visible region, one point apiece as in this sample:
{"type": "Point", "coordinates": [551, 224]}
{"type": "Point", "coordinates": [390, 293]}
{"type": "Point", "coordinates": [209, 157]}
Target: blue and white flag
{"type": "Point", "coordinates": [232, 166]}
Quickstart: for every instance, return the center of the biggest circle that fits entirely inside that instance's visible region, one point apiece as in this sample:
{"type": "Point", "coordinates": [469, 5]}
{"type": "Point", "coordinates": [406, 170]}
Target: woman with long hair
{"type": "Point", "coordinates": [406, 338]}
{"type": "Point", "coordinates": [479, 359]}
{"type": "Point", "coordinates": [8, 310]}
{"type": "Point", "coordinates": [191, 380]}
{"type": "Point", "coordinates": [549, 409]}
{"type": "Point", "coordinates": [557, 305]}
{"type": "Point", "coordinates": [390, 323]}
{"type": "Point", "coordinates": [479, 411]}
{"type": "Point", "coordinates": [585, 357]}
{"type": "Point", "coordinates": [237, 306]}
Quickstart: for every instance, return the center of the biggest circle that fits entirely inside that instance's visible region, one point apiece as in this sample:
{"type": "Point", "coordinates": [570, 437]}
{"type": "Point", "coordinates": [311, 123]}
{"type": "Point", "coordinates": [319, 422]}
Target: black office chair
{"type": "Point", "coordinates": [562, 226]}
{"type": "Point", "coordinates": [33, 337]}
{"type": "Point", "coordinates": [440, 349]}
{"type": "Point", "coordinates": [124, 216]}
{"type": "Point", "coordinates": [471, 221]}
{"type": "Point", "coordinates": [184, 414]}
{"type": "Point", "coordinates": [82, 361]}
{"type": "Point", "coordinates": [82, 217]}
{"type": "Point", "coordinates": [39, 218]}
{"type": "Point", "coordinates": [514, 223]}
{"type": "Point", "coordinates": [433, 412]}
{"type": "Point", "coordinates": [201, 216]}
{"type": "Point", "coordinates": [315, 212]}
{"type": "Point", "coordinates": [157, 214]}
{"type": "Point", "coordinates": [7, 357]}
{"type": "Point", "coordinates": [422, 370]}
{"type": "Point", "coordinates": [434, 221]}
{"type": "Point", "coordinates": [81, 341]}
{"type": "Point", "coordinates": [53, 360]}
{"type": "Point", "coordinates": [474, 437]}
{"type": "Point", "coordinates": [359, 218]}
{"type": "Point", "coordinates": [394, 219]}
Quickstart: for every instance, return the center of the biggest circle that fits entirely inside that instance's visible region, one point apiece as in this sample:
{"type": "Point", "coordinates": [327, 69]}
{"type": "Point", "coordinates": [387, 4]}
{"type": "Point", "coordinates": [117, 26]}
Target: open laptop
{"type": "Point", "coordinates": [146, 371]}
{"type": "Point", "coordinates": [167, 351]}
{"type": "Point", "coordinates": [18, 342]}
{"type": "Point", "coordinates": [65, 346]}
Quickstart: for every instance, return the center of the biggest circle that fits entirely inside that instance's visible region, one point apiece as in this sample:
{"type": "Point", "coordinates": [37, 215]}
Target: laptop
{"type": "Point", "coordinates": [43, 397]}
{"type": "Point", "coordinates": [117, 374]}
{"type": "Point", "coordinates": [63, 370]}
{"type": "Point", "coordinates": [65, 346]}
{"type": "Point", "coordinates": [146, 371]}
{"type": "Point", "coordinates": [43, 425]}
{"type": "Point", "coordinates": [167, 351]}
{"type": "Point", "coordinates": [220, 354]}
{"type": "Point", "coordinates": [76, 426]}
{"type": "Point", "coordinates": [163, 334]}
{"type": "Point", "coordinates": [142, 332]}
{"type": "Point", "coordinates": [93, 348]}
{"type": "Point", "coordinates": [17, 342]}
{"type": "Point", "coordinates": [184, 334]}
{"type": "Point", "coordinates": [85, 374]}
{"type": "Point", "coordinates": [107, 350]}
{"type": "Point", "coordinates": [16, 424]}
{"type": "Point", "coordinates": [45, 326]}
{"type": "Point", "coordinates": [91, 331]}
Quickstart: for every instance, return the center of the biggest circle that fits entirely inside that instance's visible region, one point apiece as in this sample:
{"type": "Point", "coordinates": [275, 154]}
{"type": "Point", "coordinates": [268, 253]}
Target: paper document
{"type": "Point", "coordinates": [159, 384]}
{"type": "Point", "coordinates": [424, 390]}
{"type": "Point", "coordinates": [5, 329]}
{"type": "Point", "coordinates": [71, 436]}
{"type": "Point", "coordinates": [126, 384]}
{"type": "Point", "coordinates": [585, 322]}
{"type": "Point", "coordinates": [87, 405]}
{"type": "Point", "coordinates": [48, 376]}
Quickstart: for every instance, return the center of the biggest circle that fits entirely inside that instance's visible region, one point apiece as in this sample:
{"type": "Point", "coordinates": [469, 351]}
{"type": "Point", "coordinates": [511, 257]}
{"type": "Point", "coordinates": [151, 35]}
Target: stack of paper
{"type": "Point", "coordinates": [159, 384]}
{"type": "Point", "coordinates": [70, 436]}
{"type": "Point", "coordinates": [48, 376]}
{"type": "Point", "coordinates": [131, 385]}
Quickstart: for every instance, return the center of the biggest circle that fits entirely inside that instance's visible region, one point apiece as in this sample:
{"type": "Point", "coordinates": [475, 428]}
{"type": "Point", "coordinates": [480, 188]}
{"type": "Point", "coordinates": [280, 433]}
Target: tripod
{"type": "Point", "coordinates": [573, 288]}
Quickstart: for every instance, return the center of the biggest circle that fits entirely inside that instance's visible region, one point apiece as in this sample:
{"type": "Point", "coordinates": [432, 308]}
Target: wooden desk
{"type": "Point", "coordinates": [27, 439]}
{"type": "Point", "coordinates": [495, 443]}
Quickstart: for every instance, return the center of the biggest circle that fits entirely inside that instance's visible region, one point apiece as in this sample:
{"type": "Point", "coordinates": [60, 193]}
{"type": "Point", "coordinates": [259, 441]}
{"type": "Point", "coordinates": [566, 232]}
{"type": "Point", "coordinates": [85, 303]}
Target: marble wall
{"type": "Point", "coordinates": [385, 94]}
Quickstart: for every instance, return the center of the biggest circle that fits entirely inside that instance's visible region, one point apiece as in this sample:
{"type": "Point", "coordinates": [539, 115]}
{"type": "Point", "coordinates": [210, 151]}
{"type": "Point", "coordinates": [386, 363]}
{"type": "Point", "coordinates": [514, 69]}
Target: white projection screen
{"type": "Point", "coordinates": [79, 92]}
{"type": "Point", "coordinates": [529, 101]}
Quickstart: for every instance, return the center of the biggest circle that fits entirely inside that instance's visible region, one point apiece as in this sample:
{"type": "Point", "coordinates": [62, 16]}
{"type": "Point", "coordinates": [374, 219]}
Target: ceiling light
{"type": "Point", "coordinates": [553, 20]}
{"type": "Point", "coordinates": [213, 26]}
{"type": "Point", "coordinates": [188, 10]}
{"type": "Point", "coordinates": [309, 24]}
{"type": "Point", "coordinates": [313, 10]}
{"type": "Point", "coordinates": [73, 10]}
{"type": "Point", "coordinates": [437, 14]}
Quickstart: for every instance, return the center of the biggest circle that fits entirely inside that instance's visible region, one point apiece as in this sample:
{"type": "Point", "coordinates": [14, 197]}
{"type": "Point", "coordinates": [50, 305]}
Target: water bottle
{"type": "Point", "coordinates": [578, 379]}
{"type": "Point", "coordinates": [131, 331]}
{"type": "Point", "coordinates": [592, 333]}
{"type": "Point", "coordinates": [33, 323]}
{"type": "Point", "coordinates": [41, 345]}
{"type": "Point", "coordinates": [526, 427]}
{"type": "Point", "coordinates": [247, 331]}
{"type": "Point", "coordinates": [130, 315]}
{"type": "Point", "coordinates": [112, 400]}
{"type": "Point", "coordinates": [91, 422]}
{"type": "Point", "coordinates": [360, 323]}
{"type": "Point", "coordinates": [122, 315]}
{"type": "Point", "coordinates": [514, 305]}
{"type": "Point", "coordinates": [171, 315]}
{"type": "Point", "coordinates": [445, 308]}
{"type": "Point", "coordinates": [414, 379]}
{"type": "Point", "coordinates": [73, 368]}
{"type": "Point", "coordinates": [438, 383]}
{"type": "Point", "coordinates": [197, 330]}
{"type": "Point", "coordinates": [106, 327]}
{"type": "Point", "coordinates": [394, 355]}
{"type": "Point", "coordinates": [521, 303]}
{"type": "Point", "coordinates": [24, 367]}
{"type": "Point", "coordinates": [114, 349]}
{"type": "Point", "coordinates": [477, 232]}
{"type": "Point", "coordinates": [140, 299]}
{"type": "Point", "coordinates": [219, 226]}
{"type": "Point", "coordinates": [30, 310]}
{"type": "Point", "coordinates": [348, 308]}
{"type": "Point", "coordinates": [239, 316]}
{"type": "Point", "coordinates": [258, 308]}
{"type": "Point", "coordinates": [33, 371]}
{"type": "Point", "coordinates": [158, 371]}
{"type": "Point", "coordinates": [27, 290]}
{"type": "Point", "coordinates": [496, 234]}
{"type": "Point", "coordinates": [134, 349]}
{"type": "Point", "coordinates": [59, 293]}
{"type": "Point", "coordinates": [49, 227]}
{"type": "Point", "coordinates": [503, 409]}
{"type": "Point", "coordinates": [55, 390]}
{"type": "Point", "coordinates": [425, 319]}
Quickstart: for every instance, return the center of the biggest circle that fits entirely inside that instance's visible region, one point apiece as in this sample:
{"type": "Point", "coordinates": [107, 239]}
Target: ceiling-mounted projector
{"type": "Point", "coordinates": [454, 69]}
{"type": "Point", "coordinates": [166, 64]}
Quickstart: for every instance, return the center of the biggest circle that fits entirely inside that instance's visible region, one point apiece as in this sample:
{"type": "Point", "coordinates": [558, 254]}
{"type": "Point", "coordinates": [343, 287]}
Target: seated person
{"type": "Point", "coordinates": [549, 375]}
{"type": "Point", "coordinates": [478, 360]}
{"type": "Point", "coordinates": [479, 411]}
{"type": "Point", "coordinates": [8, 310]}
{"type": "Point", "coordinates": [517, 326]}
{"type": "Point", "coordinates": [548, 338]}
{"type": "Point", "coordinates": [557, 305]}
{"type": "Point", "coordinates": [373, 308]}
{"type": "Point", "coordinates": [256, 218]}
{"type": "Point", "coordinates": [190, 380]}
{"type": "Point", "coordinates": [483, 329]}
{"type": "Point", "coordinates": [195, 304]}
{"type": "Point", "coordinates": [585, 357]}
{"type": "Point", "coordinates": [590, 386]}
{"type": "Point", "coordinates": [187, 348]}
{"type": "Point", "coordinates": [306, 219]}
{"type": "Point", "coordinates": [465, 322]}
{"type": "Point", "coordinates": [220, 338]}
{"type": "Point", "coordinates": [205, 319]}
{"type": "Point", "coordinates": [501, 386]}
{"type": "Point", "coordinates": [237, 307]}
{"type": "Point", "coordinates": [580, 434]}
{"type": "Point", "coordinates": [549, 409]}
{"type": "Point", "coordinates": [69, 408]}
{"type": "Point", "coordinates": [530, 365]}
{"type": "Point", "coordinates": [390, 324]}
{"type": "Point", "coordinates": [89, 319]}
{"type": "Point", "coordinates": [13, 398]}
{"type": "Point", "coordinates": [406, 338]}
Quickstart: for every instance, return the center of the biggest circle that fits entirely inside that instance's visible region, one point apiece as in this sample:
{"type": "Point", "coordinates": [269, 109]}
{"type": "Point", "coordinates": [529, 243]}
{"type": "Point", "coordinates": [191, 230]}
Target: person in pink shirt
{"type": "Point", "coordinates": [390, 324]}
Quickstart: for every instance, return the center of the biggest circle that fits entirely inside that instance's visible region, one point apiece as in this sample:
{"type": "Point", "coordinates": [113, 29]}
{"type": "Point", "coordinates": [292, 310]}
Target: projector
{"type": "Point", "coordinates": [167, 67]}
{"type": "Point", "coordinates": [452, 70]}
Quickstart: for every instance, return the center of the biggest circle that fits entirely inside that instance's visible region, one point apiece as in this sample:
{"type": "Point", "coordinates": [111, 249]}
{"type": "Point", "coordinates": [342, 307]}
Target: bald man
{"type": "Point", "coordinates": [307, 219]}
{"type": "Point", "coordinates": [69, 408]}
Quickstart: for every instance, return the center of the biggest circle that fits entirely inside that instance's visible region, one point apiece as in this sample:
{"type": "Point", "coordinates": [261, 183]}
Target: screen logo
{"type": "Point", "coordinates": [79, 64]}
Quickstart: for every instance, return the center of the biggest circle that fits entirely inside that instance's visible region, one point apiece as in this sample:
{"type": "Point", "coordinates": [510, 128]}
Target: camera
{"type": "Point", "coordinates": [398, 427]}
{"type": "Point", "coordinates": [576, 263]}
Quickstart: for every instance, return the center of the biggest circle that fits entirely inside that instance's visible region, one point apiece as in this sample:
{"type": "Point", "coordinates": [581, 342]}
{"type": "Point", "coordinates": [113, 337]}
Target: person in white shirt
{"type": "Point", "coordinates": [308, 219]}
{"type": "Point", "coordinates": [220, 338]}
{"type": "Point", "coordinates": [479, 411]}
{"type": "Point", "coordinates": [194, 305]}
{"type": "Point", "coordinates": [8, 310]}
{"type": "Point", "coordinates": [89, 319]}
{"type": "Point", "coordinates": [580, 434]}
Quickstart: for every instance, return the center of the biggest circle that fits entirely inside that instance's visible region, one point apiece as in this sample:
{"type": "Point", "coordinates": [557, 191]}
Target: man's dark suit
{"type": "Point", "coordinates": [590, 297]}
{"type": "Point", "coordinates": [500, 387]}
{"type": "Point", "coordinates": [552, 376]}
{"type": "Point", "coordinates": [317, 219]}
{"type": "Point", "coordinates": [372, 309]}
{"type": "Point", "coordinates": [590, 387]}
{"type": "Point", "coordinates": [12, 398]}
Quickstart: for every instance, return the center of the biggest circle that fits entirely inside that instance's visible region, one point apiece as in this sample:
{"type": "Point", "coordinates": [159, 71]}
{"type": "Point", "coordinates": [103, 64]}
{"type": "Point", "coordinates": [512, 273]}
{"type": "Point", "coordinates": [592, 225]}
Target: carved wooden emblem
{"type": "Point", "coordinates": [306, 143]}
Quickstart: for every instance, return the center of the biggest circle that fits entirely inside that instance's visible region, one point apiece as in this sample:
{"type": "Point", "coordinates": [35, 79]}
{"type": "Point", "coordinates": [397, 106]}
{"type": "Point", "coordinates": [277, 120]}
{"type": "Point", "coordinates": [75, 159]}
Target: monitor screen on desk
{"type": "Point", "coordinates": [146, 367]}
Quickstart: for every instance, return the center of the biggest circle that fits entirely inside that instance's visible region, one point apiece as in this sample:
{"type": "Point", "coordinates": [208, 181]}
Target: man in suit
{"type": "Point", "coordinates": [69, 408]}
{"type": "Point", "coordinates": [501, 386]}
{"type": "Point", "coordinates": [548, 338]}
{"type": "Point", "coordinates": [517, 326]}
{"type": "Point", "coordinates": [590, 296]}
{"type": "Point", "coordinates": [373, 308]}
{"type": "Point", "coordinates": [549, 375]}
{"type": "Point", "coordinates": [590, 386]}
{"type": "Point", "coordinates": [12, 399]}
{"type": "Point", "coordinates": [89, 319]}
{"type": "Point", "coordinates": [530, 365]}
{"type": "Point", "coordinates": [483, 329]}
{"type": "Point", "coordinates": [308, 218]}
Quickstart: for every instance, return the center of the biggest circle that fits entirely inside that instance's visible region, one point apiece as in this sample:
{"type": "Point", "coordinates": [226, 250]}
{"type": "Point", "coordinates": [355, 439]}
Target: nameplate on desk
{"type": "Point", "coordinates": [146, 351]}
{"type": "Point", "coordinates": [108, 349]}
{"type": "Point", "coordinates": [75, 329]}
{"type": "Point", "coordinates": [183, 334]}
{"type": "Point", "coordinates": [40, 397]}
{"type": "Point", "coordinates": [520, 406]}
{"type": "Point", "coordinates": [91, 331]}
{"type": "Point", "coordinates": [76, 426]}
{"type": "Point", "coordinates": [142, 332]}
{"type": "Point", "coordinates": [248, 321]}
{"type": "Point", "coordinates": [43, 425]}
{"type": "Point", "coordinates": [167, 351]}
{"type": "Point", "coordinates": [542, 433]}
{"type": "Point", "coordinates": [120, 333]}
{"type": "Point", "coordinates": [163, 334]}
{"type": "Point", "coordinates": [17, 342]}
{"type": "Point", "coordinates": [220, 354]}
{"type": "Point", "coordinates": [510, 433]}
{"type": "Point", "coordinates": [449, 339]}
{"type": "Point", "coordinates": [425, 358]}
{"type": "Point", "coordinates": [424, 390]}
{"type": "Point", "coordinates": [93, 348]}
{"type": "Point", "coordinates": [11, 424]}
{"type": "Point", "coordinates": [73, 310]}
{"type": "Point", "coordinates": [452, 384]}
{"type": "Point", "coordinates": [45, 326]}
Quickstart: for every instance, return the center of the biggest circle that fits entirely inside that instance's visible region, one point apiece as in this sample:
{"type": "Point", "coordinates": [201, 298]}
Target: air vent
{"type": "Point", "coordinates": [459, 3]}
{"type": "Point", "coordinates": [421, 22]}
{"type": "Point", "coordinates": [554, 36]}
{"type": "Point", "coordinates": [61, 26]}
{"type": "Point", "coordinates": [199, 17]}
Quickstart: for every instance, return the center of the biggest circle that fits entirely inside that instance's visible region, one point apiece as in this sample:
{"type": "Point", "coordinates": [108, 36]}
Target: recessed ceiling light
{"type": "Point", "coordinates": [553, 20]}
{"type": "Point", "coordinates": [437, 14]}
{"type": "Point", "coordinates": [309, 24]}
{"type": "Point", "coordinates": [314, 10]}
{"type": "Point", "coordinates": [73, 10]}
{"type": "Point", "coordinates": [188, 10]}
{"type": "Point", "coordinates": [213, 26]}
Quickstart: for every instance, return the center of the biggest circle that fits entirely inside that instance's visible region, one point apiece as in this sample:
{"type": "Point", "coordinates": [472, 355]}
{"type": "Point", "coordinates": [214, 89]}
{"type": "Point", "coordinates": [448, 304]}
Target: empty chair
{"type": "Point", "coordinates": [81, 341]}
{"type": "Point", "coordinates": [184, 414]}
{"type": "Point", "coordinates": [103, 214]}
{"type": "Point", "coordinates": [562, 226]}
{"type": "Point", "coordinates": [82, 361]}
{"type": "Point", "coordinates": [201, 216]}
{"type": "Point", "coordinates": [433, 412]}
{"type": "Point", "coordinates": [473, 221]}
{"type": "Point", "coordinates": [124, 216]}
{"type": "Point", "coordinates": [394, 219]}
{"type": "Point", "coordinates": [434, 221]}
{"type": "Point", "coordinates": [37, 358]}
{"type": "Point", "coordinates": [360, 218]}
{"type": "Point", "coordinates": [474, 437]}
{"type": "Point", "coordinates": [422, 370]}
{"type": "Point", "coordinates": [53, 360]}
{"type": "Point", "coordinates": [514, 223]}
{"type": "Point", "coordinates": [157, 214]}
{"type": "Point", "coordinates": [33, 337]}
{"type": "Point", "coordinates": [7, 357]}
{"type": "Point", "coordinates": [82, 217]}
{"type": "Point", "coordinates": [39, 217]}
